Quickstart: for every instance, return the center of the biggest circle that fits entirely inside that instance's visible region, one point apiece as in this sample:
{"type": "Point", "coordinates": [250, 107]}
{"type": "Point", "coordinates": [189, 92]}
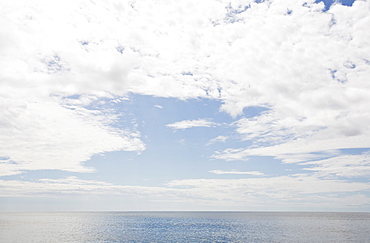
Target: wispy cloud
{"type": "Point", "coordinates": [49, 136]}
{"type": "Point", "coordinates": [341, 166]}
{"type": "Point", "coordinates": [262, 193]}
{"type": "Point", "coordinates": [235, 172]}
{"type": "Point", "coordinates": [282, 188]}
{"type": "Point", "coordinates": [191, 123]}
{"type": "Point", "coordinates": [219, 139]}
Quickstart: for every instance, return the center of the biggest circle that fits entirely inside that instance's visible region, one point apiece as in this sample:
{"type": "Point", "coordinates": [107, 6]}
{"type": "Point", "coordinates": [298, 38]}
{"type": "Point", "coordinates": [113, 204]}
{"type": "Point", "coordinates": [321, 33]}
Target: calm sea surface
{"type": "Point", "coordinates": [184, 227]}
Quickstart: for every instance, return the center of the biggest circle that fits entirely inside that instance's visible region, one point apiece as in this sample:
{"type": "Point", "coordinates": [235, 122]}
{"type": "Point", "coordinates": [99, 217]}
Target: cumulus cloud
{"type": "Point", "coordinates": [245, 53]}
{"type": "Point", "coordinates": [49, 54]}
{"type": "Point", "coordinates": [316, 105]}
{"type": "Point", "coordinates": [191, 123]}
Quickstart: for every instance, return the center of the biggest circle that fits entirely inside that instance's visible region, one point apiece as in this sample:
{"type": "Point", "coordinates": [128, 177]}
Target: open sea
{"type": "Point", "coordinates": [184, 227]}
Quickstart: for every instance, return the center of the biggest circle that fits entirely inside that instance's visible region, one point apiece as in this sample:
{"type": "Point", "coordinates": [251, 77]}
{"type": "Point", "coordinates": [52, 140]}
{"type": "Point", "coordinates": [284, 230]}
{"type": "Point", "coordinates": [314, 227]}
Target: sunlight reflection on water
{"type": "Point", "coordinates": [184, 227]}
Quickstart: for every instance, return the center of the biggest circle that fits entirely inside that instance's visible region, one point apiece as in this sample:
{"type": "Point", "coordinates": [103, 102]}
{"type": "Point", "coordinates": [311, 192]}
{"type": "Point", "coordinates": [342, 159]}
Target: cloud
{"type": "Point", "coordinates": [300, 150]}
{"type": "Point", "coordinates": [235, 172]}
{"type": "Point", "coordinates": [316, 106]}
{"type": "Point", "coordinates": [73, 186]}
{"type": "Point", "coordinates": [214, 49]}
{"type": "Point", "coordinates": [259, 193]}
{"type": "Point", "coordinates": [310, 68]}
{"type": "Point", "coordinates": [277, 192]}
{"type": "Point", "coordinates": [219, 139]}
{"type": "Point", "coordinates": [341, 166]}
{"type": "Point", "coordinates": [44, 135]}
{"type": "Point", "coordinates": [191, 123]}
{"type": "Point", "coordinates": [298, 187]}
{"type": "Point", "coordinates": [46, 61]}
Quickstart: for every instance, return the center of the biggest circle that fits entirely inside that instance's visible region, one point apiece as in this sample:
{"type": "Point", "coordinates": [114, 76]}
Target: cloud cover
{"type": "Point", "coordinates": [308, 67]}
{"type": "Point", "coordinates": [279, 193]}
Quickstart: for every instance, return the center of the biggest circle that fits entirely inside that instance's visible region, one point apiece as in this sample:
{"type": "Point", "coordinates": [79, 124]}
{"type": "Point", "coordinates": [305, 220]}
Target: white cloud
{"type": "Point", "coordinates": [280, 187]}
{"type": "Point", "coordinates": [258, 193]}
{"type": "Point", "coordinates": [342, 166]}
{"type": "Point", "coordinates": [302, 149]}
{"type": "Point", "coordinates": [46, 135]}
{"type": "Point", "coordinates": [73, 185]}
{"type": "Point", "coordinates": [311, 77]}
{"type": "Point", "coordinates": [299, 191]}
{"type": "Point", "coordinates": [258, 55]}
{"type": "Point", "coordinates": [219, 139]}
{"type": "Point", "coordinates": [191, 123]}
{"type": "Point", "coordinates": [235, 172]}
{"type": "Point", "coordinates": [308, 67]}
{"type": "Point", "coordinates": [45, 60]}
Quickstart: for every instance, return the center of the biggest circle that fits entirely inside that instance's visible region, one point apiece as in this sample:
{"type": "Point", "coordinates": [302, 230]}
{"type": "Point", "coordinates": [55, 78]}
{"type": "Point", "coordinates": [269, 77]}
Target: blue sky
{"type": "Point", "coordinates": [157, 105]}
{"type": "Point", "coordinates": [328, 3]}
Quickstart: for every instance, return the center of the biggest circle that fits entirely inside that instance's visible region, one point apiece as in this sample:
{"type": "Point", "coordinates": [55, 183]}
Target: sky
{"type": "Point", "coordinates": [210, 105]}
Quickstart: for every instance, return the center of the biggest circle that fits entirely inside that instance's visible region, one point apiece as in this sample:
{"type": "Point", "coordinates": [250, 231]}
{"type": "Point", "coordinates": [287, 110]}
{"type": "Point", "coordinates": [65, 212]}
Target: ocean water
{"type": "Point", "coordinates": [184, 227]}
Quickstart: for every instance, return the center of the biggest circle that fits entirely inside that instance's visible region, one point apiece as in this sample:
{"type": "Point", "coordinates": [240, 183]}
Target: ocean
{"type": "Point", "coordinates": [184, 227]}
